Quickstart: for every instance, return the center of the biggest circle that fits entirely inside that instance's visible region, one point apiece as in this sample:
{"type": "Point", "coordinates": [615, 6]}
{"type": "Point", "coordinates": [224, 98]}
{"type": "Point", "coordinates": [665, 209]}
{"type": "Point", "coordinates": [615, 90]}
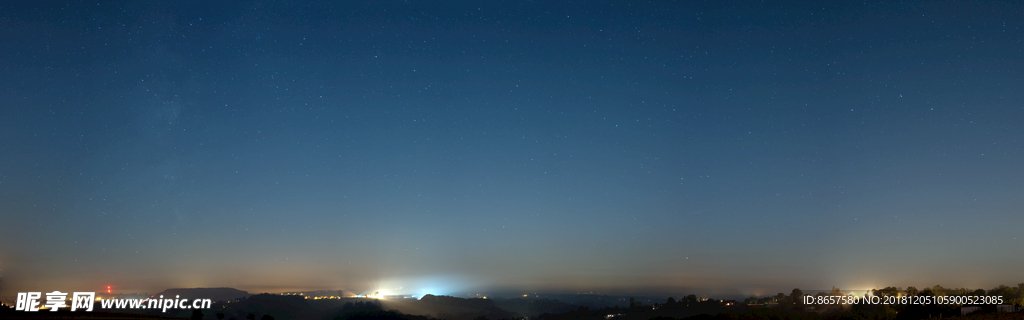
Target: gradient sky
{"type": "Point", "coordinates": [444, 147]}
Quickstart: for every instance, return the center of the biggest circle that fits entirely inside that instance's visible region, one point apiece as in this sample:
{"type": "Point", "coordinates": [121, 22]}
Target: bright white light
{"type": "Point", "coordinates": [417, 287]}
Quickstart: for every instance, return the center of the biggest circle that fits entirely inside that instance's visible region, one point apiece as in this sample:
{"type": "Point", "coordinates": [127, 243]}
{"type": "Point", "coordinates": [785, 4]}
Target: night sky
{"type": "Point", "coordinates": [454, 147]}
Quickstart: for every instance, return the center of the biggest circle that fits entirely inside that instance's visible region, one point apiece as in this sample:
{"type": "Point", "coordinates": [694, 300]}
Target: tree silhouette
{"type": "Point", "coordinates": [251, 316]}
{"type": "Point", "coordinates": [1009, 294]}
{"type": "Point", "coordinates": [911, 291]}
{"type": "Point", "coordinates": [797, 296]}
{"type": "Point", "coordinates": [197, 314]}
{"type": "Point", "coordinates": [691, 299]}
{"type": "Point", "coordinates": [886, 292]}
{"type": "Point", "coordinates": [220, 315]}
{"type": "Point", "coordinates": [1020, 294]}
{"type": "Point", "coordinates": [266, 317]}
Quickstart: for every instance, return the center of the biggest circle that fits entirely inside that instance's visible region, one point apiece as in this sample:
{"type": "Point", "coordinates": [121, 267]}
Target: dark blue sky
{"type": "Point", "coordinates": [536, 146]}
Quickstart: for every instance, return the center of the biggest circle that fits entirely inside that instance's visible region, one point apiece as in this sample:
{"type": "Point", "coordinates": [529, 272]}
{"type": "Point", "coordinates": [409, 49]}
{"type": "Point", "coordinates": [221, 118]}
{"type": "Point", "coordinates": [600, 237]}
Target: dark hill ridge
{"type": "Point", "coordinates": [453, 308]}
{"type": "Point", "coordinates": [215, 294]}
{"type": "Point", "coordinates": [278, 306]}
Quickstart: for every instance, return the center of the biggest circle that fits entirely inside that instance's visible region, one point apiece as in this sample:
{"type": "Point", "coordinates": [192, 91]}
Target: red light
{"type": "Point", "coordinates": [108, 289]}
